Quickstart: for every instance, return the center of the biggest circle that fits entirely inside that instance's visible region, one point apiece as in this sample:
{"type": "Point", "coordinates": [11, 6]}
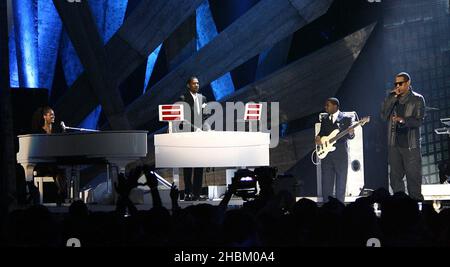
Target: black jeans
{"type": "Point", "coordinates": [198, 179]}
{"type": "Point", "coordinates": [405, 161]}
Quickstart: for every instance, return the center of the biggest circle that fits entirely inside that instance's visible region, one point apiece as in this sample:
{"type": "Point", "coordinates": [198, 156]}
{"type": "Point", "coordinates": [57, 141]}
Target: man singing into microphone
{"type": "Point", "coordinates": [404, 110]}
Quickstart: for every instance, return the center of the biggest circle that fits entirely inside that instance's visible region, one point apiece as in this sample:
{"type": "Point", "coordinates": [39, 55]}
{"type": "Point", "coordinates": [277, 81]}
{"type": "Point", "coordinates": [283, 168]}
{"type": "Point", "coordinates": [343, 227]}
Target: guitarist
{"type": "Point", "coordinates": [335, 165]}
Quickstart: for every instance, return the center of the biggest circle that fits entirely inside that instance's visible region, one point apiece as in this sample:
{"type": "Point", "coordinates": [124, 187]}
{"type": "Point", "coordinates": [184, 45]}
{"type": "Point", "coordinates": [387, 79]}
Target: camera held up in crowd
{"type": "Point", "coordinates": [245, 181]}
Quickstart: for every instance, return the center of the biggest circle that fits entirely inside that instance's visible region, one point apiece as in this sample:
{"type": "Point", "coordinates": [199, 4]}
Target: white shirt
{"type": "Point", "coordinates": [196, 102]}
{"type": "Point", "coordinates": [335, 115]}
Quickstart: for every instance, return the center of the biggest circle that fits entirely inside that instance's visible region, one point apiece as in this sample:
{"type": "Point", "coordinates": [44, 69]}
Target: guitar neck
{"type": "Point", "coordinates": [344, 133]}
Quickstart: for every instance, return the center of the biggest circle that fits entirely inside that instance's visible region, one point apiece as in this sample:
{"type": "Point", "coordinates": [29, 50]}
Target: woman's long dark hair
{"type": "Point", "coordinates": [37, 121]}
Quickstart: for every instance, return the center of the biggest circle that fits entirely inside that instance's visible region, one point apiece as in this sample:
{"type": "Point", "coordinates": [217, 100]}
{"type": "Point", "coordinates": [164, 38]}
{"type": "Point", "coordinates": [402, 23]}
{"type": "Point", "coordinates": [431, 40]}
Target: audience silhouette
{"type": "Point", "coordinates": [271, 219]}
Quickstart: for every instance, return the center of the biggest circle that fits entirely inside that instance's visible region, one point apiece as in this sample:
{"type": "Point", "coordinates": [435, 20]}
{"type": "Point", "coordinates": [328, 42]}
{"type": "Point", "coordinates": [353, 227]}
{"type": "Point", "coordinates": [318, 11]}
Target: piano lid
{"type": "Point", "coordinates": [108, 144]}
{"type": "Point", "coordinates": [88, 133]}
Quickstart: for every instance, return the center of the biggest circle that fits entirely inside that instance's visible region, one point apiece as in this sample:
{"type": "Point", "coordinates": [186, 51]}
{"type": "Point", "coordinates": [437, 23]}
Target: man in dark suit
{"type": "Point", "coordinates": [335, 165]}
{"type": "Point", "coordinates": [195, 102]}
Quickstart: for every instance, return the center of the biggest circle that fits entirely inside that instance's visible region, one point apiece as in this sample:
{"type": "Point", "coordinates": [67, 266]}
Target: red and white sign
{"type": "Point", "coordinates": [171, 112]}
{"type": "Point", "coordinates": [252, 112]}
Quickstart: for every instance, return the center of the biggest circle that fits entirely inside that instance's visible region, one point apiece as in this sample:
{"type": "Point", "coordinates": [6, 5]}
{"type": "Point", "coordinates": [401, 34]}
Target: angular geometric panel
{"type": "Point", "coordinates": [303, 86]}
{"type": "Point", "coordinates": [207, 31]}
{"type": "Point", "coordinates": [149, 24]}
{"type": "Point", "coordinates": [248, 36]}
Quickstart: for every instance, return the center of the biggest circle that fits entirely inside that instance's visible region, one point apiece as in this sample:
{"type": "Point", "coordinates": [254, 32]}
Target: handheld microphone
{"type": "Point", "coordinates": [394, 92]}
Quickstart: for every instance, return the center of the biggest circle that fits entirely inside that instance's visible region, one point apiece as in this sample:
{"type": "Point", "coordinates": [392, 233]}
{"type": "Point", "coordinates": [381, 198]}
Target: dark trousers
{"type": "Point", "coordinates": [334, 169]}
{"type": "Point", "coordinates": [405, 161]}
{"type": "Point", "coordinates": [196, 187]}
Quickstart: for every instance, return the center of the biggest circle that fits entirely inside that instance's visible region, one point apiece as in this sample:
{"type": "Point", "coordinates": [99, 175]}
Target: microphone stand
{"type": "Point", "coordinates": [80, 129]}
{"type": "Point", "coordinates": [77, 129]}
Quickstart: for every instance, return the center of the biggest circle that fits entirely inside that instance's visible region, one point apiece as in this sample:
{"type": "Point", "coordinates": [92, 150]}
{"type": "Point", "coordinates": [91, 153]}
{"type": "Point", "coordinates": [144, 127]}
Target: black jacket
{"type": "Point", "coordinates": [414, 115]}
{"type": "Point", "coordinates": [193, 118]}
{"type": "Point", "coordinates": [55, 129]}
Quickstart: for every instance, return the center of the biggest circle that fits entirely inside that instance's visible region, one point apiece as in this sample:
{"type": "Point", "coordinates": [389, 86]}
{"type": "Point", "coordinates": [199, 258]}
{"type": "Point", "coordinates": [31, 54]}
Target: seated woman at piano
{"type": "Point", "coordinates": [43, 123]}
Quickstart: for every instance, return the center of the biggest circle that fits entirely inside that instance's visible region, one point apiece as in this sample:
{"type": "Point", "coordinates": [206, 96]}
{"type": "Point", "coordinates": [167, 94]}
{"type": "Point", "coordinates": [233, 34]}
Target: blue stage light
{"type": "Point", "coordinates": [25, 25]}
{"type": "Point", "coordinates": [13, 71]}
{"type": "Point", "coordinates": [49, 36]}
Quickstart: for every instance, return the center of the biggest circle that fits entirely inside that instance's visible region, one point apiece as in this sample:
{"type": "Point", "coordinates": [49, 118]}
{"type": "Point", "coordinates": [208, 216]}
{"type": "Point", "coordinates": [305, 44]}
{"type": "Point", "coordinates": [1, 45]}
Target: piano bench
{"type": "Point", "coordinates": [39, 183]}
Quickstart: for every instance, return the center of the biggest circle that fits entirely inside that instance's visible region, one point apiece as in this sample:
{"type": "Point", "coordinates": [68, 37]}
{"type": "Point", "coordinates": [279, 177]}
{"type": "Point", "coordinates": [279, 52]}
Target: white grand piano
{"type": "Point", "coordinates": [117, 148]}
